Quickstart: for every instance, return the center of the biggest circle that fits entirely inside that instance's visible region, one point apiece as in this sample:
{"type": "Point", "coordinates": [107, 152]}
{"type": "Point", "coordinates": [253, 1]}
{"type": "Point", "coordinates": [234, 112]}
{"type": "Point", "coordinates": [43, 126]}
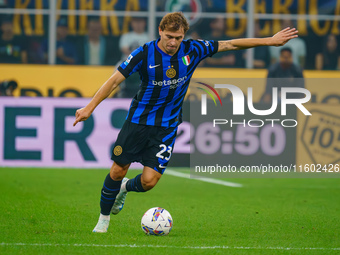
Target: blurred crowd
{"type": "Point", "coordinates": [91, 49]}
{"type": "Point", "coordinates": [96, 49]}
{"type": "Point", "coordinates": [308, 53]}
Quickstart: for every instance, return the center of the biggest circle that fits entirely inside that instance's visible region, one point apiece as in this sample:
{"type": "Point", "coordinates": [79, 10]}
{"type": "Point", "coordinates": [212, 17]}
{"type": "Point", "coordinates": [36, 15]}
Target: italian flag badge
{"type": "Point", "coordinates": [186, 60]}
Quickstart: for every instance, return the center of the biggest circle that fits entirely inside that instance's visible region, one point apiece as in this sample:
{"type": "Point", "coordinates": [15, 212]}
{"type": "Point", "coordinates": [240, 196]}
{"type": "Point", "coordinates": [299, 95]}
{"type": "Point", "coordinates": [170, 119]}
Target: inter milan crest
{"type": "Point", "coordinates": [118, 150]}
{"type": "Point", "coordinates": [171, 73]}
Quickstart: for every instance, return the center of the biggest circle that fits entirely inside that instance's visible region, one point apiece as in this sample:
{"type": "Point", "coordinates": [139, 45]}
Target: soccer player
{"type": "Point", "coordinates": [148, 135]}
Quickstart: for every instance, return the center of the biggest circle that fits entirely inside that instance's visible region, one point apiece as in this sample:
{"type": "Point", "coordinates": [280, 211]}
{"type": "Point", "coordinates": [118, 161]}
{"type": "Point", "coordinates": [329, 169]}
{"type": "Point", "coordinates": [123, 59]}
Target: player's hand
{"type": "Point", "coordinates": [282, 37]}
{"type": "Point", "coordinates": [82, 114]}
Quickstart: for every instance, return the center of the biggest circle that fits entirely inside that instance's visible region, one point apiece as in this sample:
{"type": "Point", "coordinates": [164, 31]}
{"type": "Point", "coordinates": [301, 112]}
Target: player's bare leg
{"type": "Point", "coordinates": [149, 178]}
{"type": "Point", "coordinates": [118, 172]}
{"type": "Point", "coordinates": [142, 182]}
{"type": "Point", "coordinates": [110, 190]}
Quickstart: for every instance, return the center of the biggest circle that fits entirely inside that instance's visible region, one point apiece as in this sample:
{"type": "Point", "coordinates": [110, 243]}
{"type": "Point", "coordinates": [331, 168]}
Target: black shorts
{"type": "Point", "coordinates": [152, 146]}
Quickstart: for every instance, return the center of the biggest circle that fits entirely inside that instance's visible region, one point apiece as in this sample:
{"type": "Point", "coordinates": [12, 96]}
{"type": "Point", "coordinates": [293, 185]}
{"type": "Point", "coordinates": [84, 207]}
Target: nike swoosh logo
{"type": "Point", "coordinates": [107, 193]}
{"type": "Point", "coordinates": [160, 166]}
{"type": "Point", "coordinates": [150, 66]}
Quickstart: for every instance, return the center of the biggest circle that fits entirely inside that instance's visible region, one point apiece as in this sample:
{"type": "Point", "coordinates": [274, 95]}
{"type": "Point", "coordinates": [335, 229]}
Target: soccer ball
{"type": "Point", "coordinates": [157, 221]}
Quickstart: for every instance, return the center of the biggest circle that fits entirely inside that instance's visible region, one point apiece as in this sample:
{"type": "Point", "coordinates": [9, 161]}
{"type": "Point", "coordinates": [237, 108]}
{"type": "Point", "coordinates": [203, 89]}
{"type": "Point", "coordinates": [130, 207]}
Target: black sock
{"type": "Point", "coordinates": [108, 195]}
{"type": "Point", "coordinates": [135, 184]}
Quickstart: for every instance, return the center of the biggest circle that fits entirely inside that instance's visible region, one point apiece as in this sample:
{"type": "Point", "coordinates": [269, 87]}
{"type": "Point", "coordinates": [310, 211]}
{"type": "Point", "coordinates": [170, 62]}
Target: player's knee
{"type": "Point", "coordinates": [148, 183]}
{"type": "Point", "coordinates": [117, 175]}
{"type": "Point", "coordinates": [118, 172]}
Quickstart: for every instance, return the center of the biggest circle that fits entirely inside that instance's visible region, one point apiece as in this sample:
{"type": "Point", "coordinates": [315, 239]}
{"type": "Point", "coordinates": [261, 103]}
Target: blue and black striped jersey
{"type": "Point", "coordinates": [164, 80]}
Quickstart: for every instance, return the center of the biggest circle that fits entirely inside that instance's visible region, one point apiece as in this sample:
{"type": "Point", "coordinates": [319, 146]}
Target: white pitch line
{"type": "Point", "coordinates": [210, 180]}
{"type": "Point", "coordinates": [169, 246]}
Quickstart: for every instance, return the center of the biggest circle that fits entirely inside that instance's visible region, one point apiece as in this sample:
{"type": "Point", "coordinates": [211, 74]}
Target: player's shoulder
{"type": "Point", "coordinates": [191, 44]}
{"type": "Point", "coordinates": [149, 44]}
{"type": "Point", "coordinates": [199, 42]}
{"type": "Point", "coordinates": [143, 48]}
{"type": "Point", "coordinates": [193, 41]}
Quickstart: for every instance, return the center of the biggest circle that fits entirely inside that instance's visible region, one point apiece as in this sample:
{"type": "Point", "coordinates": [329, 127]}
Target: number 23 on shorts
{"type": "Point", "coordinates": [164, 149]}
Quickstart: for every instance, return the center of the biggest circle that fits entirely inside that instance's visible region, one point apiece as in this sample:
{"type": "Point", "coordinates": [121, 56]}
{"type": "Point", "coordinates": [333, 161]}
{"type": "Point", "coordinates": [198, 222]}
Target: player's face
{"type": "Point", "coordinates": [170, 41]}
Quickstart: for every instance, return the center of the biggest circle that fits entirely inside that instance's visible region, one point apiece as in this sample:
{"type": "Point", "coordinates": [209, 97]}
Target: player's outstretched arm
{"type": "Point", "coordinates": [105, 90]}
{"type": "Point", "coordinates": [279, 39]}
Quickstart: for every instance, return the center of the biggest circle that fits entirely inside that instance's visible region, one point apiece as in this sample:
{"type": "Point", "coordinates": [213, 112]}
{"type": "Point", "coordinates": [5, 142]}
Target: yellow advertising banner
{"type": "Point", "coordinates": [84, 81]}
{"type": "Point", "coordinates": [55, 81]}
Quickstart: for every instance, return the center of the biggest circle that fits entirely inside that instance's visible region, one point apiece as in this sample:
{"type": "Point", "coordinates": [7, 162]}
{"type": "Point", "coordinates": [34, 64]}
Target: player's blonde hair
{"type": "Point", "coordinates": [174, 21]}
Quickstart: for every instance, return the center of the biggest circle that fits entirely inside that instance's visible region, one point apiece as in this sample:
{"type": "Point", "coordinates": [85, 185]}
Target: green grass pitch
{"type": "Point", "coordinates": [53, 211]}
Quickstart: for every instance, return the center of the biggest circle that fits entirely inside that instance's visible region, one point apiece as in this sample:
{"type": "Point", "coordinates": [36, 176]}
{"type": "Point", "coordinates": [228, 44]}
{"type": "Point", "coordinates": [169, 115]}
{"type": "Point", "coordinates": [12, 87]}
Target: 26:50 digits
{"type": "Point", "coordinates": [207, 139]}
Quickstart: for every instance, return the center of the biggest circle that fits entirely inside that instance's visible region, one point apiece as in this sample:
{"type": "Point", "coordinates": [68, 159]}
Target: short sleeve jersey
{"type": "Point", "coordinates": [164, 80]}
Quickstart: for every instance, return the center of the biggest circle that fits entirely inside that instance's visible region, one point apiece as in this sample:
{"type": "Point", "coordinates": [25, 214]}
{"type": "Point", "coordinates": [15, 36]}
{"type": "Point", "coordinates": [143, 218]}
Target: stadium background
{"type": "Point", "coordinates": [37, 20]}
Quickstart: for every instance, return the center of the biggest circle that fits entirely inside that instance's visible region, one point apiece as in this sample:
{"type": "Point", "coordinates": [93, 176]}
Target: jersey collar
{"type": "Point", "coordinates": [163, 53]}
